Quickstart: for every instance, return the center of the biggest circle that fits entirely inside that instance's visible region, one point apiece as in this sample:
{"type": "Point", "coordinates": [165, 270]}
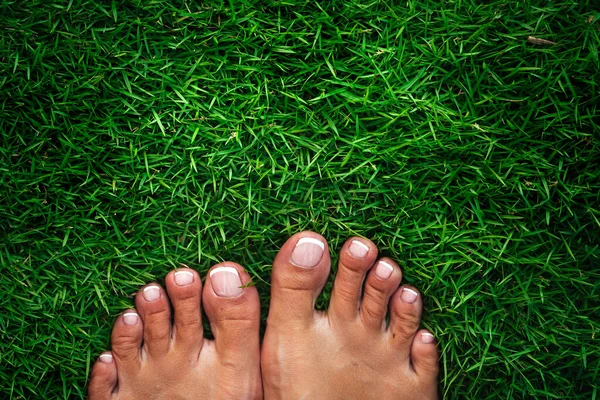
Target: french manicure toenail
{"type": "Point", "coordinates": [409, 295]}
{"type": "Point", "coordinates": [106, 358]}
{"type": "Point", "coordinates": [383, 270]}
{"type": "Point", "coordinates": [308, 252]}
{"type": "Point", "coordinates": [130, 318]}
{"type": "Point", "coordinates": [183, 278]}
{"type": "Point", "coordinates": [358, 249]}
{"type": "Point", "coordinates": [151, 293]}
{"type": "Point", "coordinates": [427, 338]}
{"type": "Point", "coordinates": [226, 282]}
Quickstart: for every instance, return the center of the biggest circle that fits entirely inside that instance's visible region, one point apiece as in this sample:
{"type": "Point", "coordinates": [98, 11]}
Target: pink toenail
{"type": "Point", "coordinates": [427, 338]}
{"type": "Point", "coordinates": [151, 293]}
{"type": "Point", "coordinates": [383, 270]}
{"type": "Point", "coordinates": [308, 252]}
{"type": "Point", "coordinates": [226, 282]}
{"type": "Point", "coordinates": [183, 278]}
{"type": "Point", "coordinates": [409, 295]}
{"type": "Point", "coordinates": [358, 249]}
{"type": "Point", "coordinates": [106, 358]}
{"type": "Point", "coordinates": [130, 318]}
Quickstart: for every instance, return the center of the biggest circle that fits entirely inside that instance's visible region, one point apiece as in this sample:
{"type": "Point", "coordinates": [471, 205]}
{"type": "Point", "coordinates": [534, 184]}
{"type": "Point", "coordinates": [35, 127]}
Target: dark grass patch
{"type": "Point", "coordinates": [139, 136]}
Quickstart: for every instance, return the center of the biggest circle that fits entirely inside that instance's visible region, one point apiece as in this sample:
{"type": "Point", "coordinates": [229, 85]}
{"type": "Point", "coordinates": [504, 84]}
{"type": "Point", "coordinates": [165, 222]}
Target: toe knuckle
{"type": "Point", "coordinates": [125, 342]}
{"type": "Point", "coordinates": [191, 321]}
{"type": "Point", "coordinates": [375, 293]}
{"type": "Point", "coordinates": [372, 312]}
{"type": "Point", "coordinates": [158, 334]}
{"type": "Point", "coordinates": [345, 292]}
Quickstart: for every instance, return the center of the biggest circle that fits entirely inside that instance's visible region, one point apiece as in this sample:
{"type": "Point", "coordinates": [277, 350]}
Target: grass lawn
{"type": "Point", "coordinates": [139, 136]}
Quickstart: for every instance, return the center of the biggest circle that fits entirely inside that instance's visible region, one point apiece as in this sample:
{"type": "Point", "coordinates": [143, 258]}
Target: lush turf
{"type": "Point", "coordinates": [139, 136]}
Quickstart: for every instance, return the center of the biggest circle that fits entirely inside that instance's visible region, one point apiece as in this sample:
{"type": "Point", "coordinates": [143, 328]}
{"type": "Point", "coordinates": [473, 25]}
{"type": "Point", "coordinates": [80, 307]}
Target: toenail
{"type": "Point", "coordinates": [183, 278]}
{"type": "Point", "coordinates": [226, 282]}
{"type": "Point", "coordinates": [106, 358]}
{"type": "Point", "coordinates": [427, 338]}
{"type": "Point", "coordinates": [151, 293]}
{"type": "Point", "coordinates": [358, 249]}
{"type": "Point", "coordinates": [308, 252]}
{"type": "Point", "coordinates": [130, 318]}
{"type": "Point", "coordinates": [409, 295]}
{"type": "Point", "coordinates": [383, 270]}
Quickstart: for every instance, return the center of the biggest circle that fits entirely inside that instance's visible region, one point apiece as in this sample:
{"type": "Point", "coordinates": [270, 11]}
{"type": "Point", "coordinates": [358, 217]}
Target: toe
{"type": "Point", "coordinates": [153, 306]}
{"type": "Point", "coordinates": [185, 290]}
{"type": "Point", "coordinates": [405, 319]}
{"type": "Point", "coordinates": [300, 271]}
{"type": "Point", "coordinates": [382, 282]}
{"type": "Point", "coordinates": [103, 379]}
{"type": "Point", "coordinates": [356, 258]}
{"type": "Point", "coordinates": [233, 309]}
{"type": "Point", "coordinates": [424, 355]}
{"type": "Point", "coordinates": [126, 339]}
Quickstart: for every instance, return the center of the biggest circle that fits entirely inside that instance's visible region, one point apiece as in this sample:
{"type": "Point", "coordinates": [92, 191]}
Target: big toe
{"type": "Point", "coordinates": [300, 271]}
{"type": "Point", "coordinates": [103, 379]}
{"type": "Point", "coordinates": [232, 306]}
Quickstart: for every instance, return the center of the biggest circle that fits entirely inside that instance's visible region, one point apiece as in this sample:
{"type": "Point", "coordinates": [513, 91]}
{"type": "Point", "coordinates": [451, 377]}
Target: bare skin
{"type": "Point", "coordinates": [349, 352]}
{"type": "Point", "coordinates": [152, 358]}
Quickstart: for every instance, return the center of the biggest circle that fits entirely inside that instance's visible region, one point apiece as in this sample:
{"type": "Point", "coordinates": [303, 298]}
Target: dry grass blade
{"type": "Point", "coordinates": [535, 40]}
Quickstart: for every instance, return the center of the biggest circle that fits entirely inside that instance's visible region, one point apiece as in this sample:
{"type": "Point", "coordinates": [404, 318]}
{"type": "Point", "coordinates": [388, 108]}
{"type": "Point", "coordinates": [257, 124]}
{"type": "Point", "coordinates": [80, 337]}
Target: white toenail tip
{"type": "Point", "coordinates": [361, 244]}
{"type": "Point", "coordinates": [183, 273]}
{"type": "Point", "coordinates": [106, 358]}
{"type": "Point", "coordinates": [416, 294]}
{"type": "Point", "coordinates": [427, 338]}
{"type": "Point", "coordinates": [129, 314]}
{"type": "Point", "coordinates": [311, 240]}
{"type": "Point", "coordinates": [148, 288]}
{"type": "Point", "coordinates": [231, 270]}
{"type": "Point", "coordinates": [387, 265]}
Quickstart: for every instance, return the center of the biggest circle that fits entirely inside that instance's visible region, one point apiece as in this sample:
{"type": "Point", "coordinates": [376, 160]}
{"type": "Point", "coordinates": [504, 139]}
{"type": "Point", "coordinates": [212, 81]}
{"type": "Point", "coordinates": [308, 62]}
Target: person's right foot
{"type": "Point", "coordinates": [348, 352]}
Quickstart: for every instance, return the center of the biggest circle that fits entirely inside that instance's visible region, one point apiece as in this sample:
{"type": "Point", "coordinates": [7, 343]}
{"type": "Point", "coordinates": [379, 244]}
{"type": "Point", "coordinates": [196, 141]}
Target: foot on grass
{"type": "Point", "coordinates": [349, 352]}
{"type": "Point", "coordinates": [159, 351]}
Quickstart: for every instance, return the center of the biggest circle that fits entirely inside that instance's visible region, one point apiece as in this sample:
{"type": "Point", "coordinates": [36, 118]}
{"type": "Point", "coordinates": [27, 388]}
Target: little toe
{"type": "Point", "coordinates": [126, 340]}
{"type": "Point", "coordinates": [356, 258]}
{"type": "Point", "coordinates": [424, 355]}
{"type": "Point", "coordinates": [382, 281]}
{"type": "Point", "coordinates": [233, 309]}
{"type": "Point", "coordinates": [153, 306]}
{"type": "Point", "coordinates": [406, 310]}
{"type": "Point", "coordinates": [300, 271]}
{"type": "Point", "coordinates": [185, 291]}
{"type": "Point", "coordinates": [103, 379]}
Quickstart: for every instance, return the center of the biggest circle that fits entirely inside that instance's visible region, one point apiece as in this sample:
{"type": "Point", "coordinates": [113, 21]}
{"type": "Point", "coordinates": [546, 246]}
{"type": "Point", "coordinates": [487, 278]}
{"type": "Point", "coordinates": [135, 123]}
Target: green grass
{"type": "Point", "coordinates": [137, 136]}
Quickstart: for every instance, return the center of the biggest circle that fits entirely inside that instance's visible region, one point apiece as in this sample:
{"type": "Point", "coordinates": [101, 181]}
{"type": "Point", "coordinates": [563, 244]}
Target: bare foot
{"type": "Point", "coordinates": [152, 358]}
{"type": "Point", "coordinates": [348, 352]}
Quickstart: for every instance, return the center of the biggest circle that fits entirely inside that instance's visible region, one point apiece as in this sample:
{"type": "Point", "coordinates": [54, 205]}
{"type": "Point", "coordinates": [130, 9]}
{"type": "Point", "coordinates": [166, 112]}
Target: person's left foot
{"type": "Point", "coordinates": [153, 358]}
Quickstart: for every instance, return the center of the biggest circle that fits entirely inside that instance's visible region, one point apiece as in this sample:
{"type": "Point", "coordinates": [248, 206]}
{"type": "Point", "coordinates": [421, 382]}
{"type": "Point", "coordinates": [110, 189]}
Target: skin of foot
{"type": "Point", "coordinates": [159, 351]}
{"type": "Point", "coordinates": [348, 352]}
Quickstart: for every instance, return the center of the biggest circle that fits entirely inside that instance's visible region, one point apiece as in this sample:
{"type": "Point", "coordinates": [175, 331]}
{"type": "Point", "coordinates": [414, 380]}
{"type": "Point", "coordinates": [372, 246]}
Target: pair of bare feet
{"type": "Point", "coordinates": [349, 352]}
